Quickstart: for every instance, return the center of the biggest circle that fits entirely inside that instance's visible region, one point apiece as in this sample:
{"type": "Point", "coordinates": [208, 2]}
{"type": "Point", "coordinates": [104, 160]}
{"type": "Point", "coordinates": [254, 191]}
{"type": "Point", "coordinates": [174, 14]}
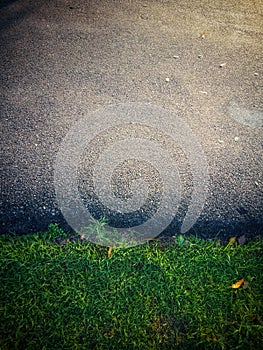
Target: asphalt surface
{"type": "Point", "coordinates": [63, 60]}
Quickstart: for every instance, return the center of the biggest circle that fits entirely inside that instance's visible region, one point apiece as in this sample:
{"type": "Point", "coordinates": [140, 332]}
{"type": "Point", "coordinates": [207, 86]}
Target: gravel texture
{"type": "Point", "coordinates": [62, 60]}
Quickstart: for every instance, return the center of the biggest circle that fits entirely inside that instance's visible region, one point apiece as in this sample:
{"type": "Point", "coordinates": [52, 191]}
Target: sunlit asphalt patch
{"type": "Point", "coordinates": [246, 116]}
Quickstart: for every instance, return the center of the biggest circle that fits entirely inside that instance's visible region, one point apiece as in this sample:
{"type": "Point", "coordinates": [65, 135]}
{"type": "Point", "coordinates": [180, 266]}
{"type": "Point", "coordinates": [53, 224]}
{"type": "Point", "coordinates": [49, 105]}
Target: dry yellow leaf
{"type": "Point", "coordinates": [214, 337]}
{"type": "Point", "coordinates": [109, 252]}
{"type": "Point", "coordinates": [232, 240]}
{"type": "Point", "coordinates": [238, 284]}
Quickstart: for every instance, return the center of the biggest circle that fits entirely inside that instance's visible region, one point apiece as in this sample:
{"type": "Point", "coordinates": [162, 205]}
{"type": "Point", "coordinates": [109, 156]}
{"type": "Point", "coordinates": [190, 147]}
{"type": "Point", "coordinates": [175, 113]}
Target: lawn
{"type": "Point", "coordinates": [59, 292]}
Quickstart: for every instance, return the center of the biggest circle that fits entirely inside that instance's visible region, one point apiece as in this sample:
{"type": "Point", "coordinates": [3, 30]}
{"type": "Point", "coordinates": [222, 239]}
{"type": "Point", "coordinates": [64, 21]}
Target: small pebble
{"type": "Point", "coordinates": [256, 74]}
{"type": "Point", "coordinates": [176, 57]}
{"type": "Point", "coordinates": [256, 183]}
{"type": "Point", "coordinates": [222, 65]}
{"type": "Point", "coordinates": [236, 138]}
{"type": "Point", "coordinates": [200, 56]}
{"type": "Point", "coordinates": [167, 80]}
{"type": "Point", "coordinates": [220, 141]}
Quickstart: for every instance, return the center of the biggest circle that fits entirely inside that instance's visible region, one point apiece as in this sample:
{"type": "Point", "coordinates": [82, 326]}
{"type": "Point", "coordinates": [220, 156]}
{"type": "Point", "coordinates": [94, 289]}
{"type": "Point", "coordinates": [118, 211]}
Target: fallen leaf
{"type": "Point", "coordinates": [214, 337]}
{"type": "Point", "coordinates": [232, 240]}
{"type": "Point", "coordinates": [238, 284]}
{"type": "Point", "coordinates": [109, 252]}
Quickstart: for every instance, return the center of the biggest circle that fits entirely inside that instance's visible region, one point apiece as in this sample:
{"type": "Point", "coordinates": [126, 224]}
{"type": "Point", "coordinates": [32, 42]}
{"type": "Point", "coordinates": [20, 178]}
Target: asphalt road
{"type": "Point", "coordinates": [202, 61]}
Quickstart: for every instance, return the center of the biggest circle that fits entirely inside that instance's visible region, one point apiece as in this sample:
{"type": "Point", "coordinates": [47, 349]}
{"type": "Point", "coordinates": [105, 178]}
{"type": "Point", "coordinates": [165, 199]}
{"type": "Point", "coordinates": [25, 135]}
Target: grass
{"type": "Point", "coordinates": [57, 293]}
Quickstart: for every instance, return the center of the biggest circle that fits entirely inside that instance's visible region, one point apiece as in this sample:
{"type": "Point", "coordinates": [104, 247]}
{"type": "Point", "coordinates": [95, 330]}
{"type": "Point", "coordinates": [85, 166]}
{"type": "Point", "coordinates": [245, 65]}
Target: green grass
{"type": "Point", "coordinates": [58, 293]}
